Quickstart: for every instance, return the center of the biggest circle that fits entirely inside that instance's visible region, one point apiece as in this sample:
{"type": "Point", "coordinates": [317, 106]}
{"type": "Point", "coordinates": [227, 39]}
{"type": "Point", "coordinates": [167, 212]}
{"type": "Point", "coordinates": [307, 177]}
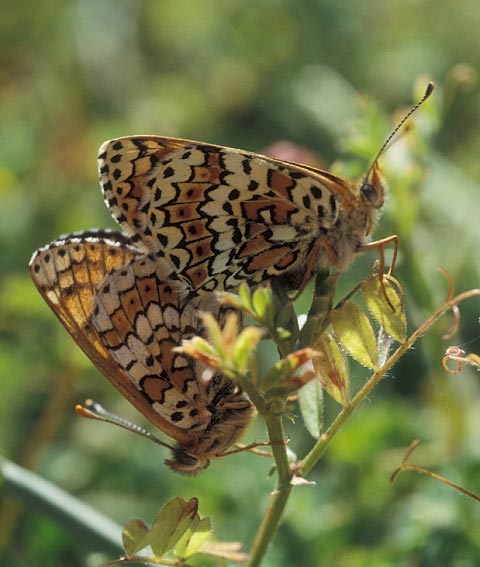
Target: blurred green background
{"type": "Point", "coordinates": [326, 75]}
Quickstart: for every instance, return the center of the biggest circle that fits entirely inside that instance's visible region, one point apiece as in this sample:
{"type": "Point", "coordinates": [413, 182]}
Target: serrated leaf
{"type": "Point", "coordinates": [133, 535]}
{"type": "Point", "coordinates": [394, 321]}
{"type": "Point", "coordinates": [193, 539]}
{"type": "Point", "coordinates": [331, 369]}
{"type": "Point", "coordinates": [310, 401]}
{"type": "Point", "coordinates": [354, 330]}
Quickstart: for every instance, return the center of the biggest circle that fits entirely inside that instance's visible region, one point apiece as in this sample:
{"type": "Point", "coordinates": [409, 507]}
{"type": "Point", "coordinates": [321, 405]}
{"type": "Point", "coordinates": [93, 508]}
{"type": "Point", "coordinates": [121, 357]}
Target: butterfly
{"type": "Point", "coordinates": [197, 218]}
{"type": "Point", "coordinates": [128, 312]}
{"type": "Point", "coordinates": [222, 216]}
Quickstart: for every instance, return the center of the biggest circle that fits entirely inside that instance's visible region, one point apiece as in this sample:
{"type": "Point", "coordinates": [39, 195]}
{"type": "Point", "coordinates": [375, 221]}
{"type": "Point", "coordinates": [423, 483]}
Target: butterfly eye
{"type": "Point", "coordinates": [369, 192]}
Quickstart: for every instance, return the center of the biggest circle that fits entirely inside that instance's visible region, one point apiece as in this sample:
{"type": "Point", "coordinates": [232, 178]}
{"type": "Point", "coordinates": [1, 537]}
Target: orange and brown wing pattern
{"type": "Point", "coordinates": [220, 215]}
{"type": "Point", "coordinates": [68, 273]}
{"type": "Point", "coordinates": [127, 312]}
{"type": "Point", "coordinates": [141, 316]}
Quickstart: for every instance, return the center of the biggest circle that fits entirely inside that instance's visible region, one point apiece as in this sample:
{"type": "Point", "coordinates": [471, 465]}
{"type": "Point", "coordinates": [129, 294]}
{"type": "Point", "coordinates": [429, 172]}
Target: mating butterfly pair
{"type": "Point", "coordinates": [198, 218]}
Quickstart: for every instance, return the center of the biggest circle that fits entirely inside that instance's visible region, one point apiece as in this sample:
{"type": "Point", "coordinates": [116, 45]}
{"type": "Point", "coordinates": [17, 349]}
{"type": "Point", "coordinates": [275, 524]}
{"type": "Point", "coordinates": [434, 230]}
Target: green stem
{"type": "Point", "coordinates": [279, 497]}
{"type": "Point", "coordinates": [320, 447]}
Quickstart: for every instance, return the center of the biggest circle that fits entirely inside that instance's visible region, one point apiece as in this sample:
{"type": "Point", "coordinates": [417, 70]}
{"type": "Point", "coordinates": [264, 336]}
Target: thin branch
{"type": "Point", "coordinates": [320, 447]}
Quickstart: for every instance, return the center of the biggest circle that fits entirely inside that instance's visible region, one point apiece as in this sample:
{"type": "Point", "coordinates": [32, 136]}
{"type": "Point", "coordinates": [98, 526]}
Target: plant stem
{"type": "Point", "coordinates": [320, 447]}
{"type": "Point", "coordinates": [278, 497]}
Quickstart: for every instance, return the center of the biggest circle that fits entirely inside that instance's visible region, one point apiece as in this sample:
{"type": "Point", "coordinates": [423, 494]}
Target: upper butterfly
{"type": "Point", "coordinates": [222, 216]}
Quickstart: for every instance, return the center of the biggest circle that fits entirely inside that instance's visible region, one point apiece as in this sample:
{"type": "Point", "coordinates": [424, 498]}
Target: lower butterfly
{"type": "Point", "coordinates": [127, 313]}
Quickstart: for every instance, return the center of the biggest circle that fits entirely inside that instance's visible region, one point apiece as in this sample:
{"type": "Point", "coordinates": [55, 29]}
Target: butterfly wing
{"type": "Point", "coordinates": [141, 317]}
{"type": "Point", "coordinates": [220, 215]}
{"type": "Point", "coordinates": [67, 274]}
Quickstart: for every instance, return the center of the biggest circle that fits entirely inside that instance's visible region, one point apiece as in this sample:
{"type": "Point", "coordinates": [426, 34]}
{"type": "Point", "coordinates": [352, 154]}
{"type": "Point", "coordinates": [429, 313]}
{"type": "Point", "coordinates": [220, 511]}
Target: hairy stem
{"type": "Point", "coordinates": [320, 447]}
{"type": "Point", "coordinates": [278, 497]}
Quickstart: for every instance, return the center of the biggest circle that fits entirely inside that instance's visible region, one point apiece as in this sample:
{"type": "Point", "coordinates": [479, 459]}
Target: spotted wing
{"type": "Point", "coordinates": [68, 273]}
{"type": "Point", "coordinates": [140, 318]}
{"type": "Point", "coordinates": [220, 215]}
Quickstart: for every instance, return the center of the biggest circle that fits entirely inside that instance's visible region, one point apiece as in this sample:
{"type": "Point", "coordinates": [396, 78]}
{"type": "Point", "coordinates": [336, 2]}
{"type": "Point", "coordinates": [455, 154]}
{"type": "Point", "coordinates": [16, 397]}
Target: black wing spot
{"type": "Point", "coordinates": [316, 192]}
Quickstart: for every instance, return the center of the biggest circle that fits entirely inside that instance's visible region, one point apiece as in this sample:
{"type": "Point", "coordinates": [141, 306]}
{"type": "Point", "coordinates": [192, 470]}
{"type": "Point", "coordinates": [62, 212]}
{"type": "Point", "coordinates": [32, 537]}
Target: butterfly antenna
{"type": "Point", "coordinates": [428, 91]}
{"type": "Point", "coordinates": [94, 410]}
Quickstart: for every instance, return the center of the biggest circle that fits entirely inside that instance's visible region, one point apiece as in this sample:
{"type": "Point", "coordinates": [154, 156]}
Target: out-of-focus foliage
{"type": "Point", "coordinates": [326, 75]}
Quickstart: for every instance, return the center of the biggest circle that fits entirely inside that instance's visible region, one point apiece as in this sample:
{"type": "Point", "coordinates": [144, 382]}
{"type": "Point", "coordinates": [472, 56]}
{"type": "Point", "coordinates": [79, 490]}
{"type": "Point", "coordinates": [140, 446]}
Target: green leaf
{"type": "Point", "coordinates": [318, 315]}
{"type": "Point", "coordinates": [262, 300]}
{"type": "Point", "coordinates": [354, 330]}
{"type": "Point", "coordinates": [133, 535]}
{"type": "Point", "coordinates": [242, 301]}
{"type": "Point", "coordinates": [245, 346]}
{"type": "Point", "coordinates": [310, 400]}
{"type": "Point", "coordinates": [284, 371]}
{"type": "Point", "coordinates": [193, 539]}
{"type": "Point", "coordinates": [214, 332]}
{"type": "Point", "coordinates": [283, 334]}
{"type": "Point", "coordinates": [394, 321]}
{"type": "Point", "coordinates": [246, 296]}
{"type": "Point", "coordinates": [231, 300]}
{"type": "Point", "coordinates": [167, 528]}
{"type": "Point", "coordinates": [200, 344]}
{"type": "Point", "coordinates": [171, 523]}
{"type": "Point", "coordinates": [330, 366]}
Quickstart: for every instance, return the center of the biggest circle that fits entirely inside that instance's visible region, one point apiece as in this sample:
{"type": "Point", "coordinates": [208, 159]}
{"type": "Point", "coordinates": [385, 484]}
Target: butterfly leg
{"type": "Point", "coordinates": [379, 245]}
{"type": "Point", "coordinates": [322, 242]}
{"type": "Point", "coordinates": [252, 448]}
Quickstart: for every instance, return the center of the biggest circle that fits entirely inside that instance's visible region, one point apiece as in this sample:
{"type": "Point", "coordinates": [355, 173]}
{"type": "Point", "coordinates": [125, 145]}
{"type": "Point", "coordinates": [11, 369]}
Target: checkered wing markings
{"type": "Point", "coordinates": [213, 210]}
{"type": "Point", "coordinates": [67, 273]}
{"type": "Point", "coordinates": [140, 318]}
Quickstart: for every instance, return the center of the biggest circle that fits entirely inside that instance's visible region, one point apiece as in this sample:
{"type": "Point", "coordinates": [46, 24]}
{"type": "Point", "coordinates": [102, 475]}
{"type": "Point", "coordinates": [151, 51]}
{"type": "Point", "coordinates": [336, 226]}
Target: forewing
{"type": "Point", "coordinates": [220, 215]}
{"type": "Point", "coordinates": [68, 273]}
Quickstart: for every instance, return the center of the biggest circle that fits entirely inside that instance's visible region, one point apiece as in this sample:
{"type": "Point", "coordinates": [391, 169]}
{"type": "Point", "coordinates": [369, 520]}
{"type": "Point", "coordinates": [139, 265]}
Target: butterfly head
{"type": "Point", "coordinates": [372, 190]}
{"type": "Point", "coordinates": [185, 463]}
